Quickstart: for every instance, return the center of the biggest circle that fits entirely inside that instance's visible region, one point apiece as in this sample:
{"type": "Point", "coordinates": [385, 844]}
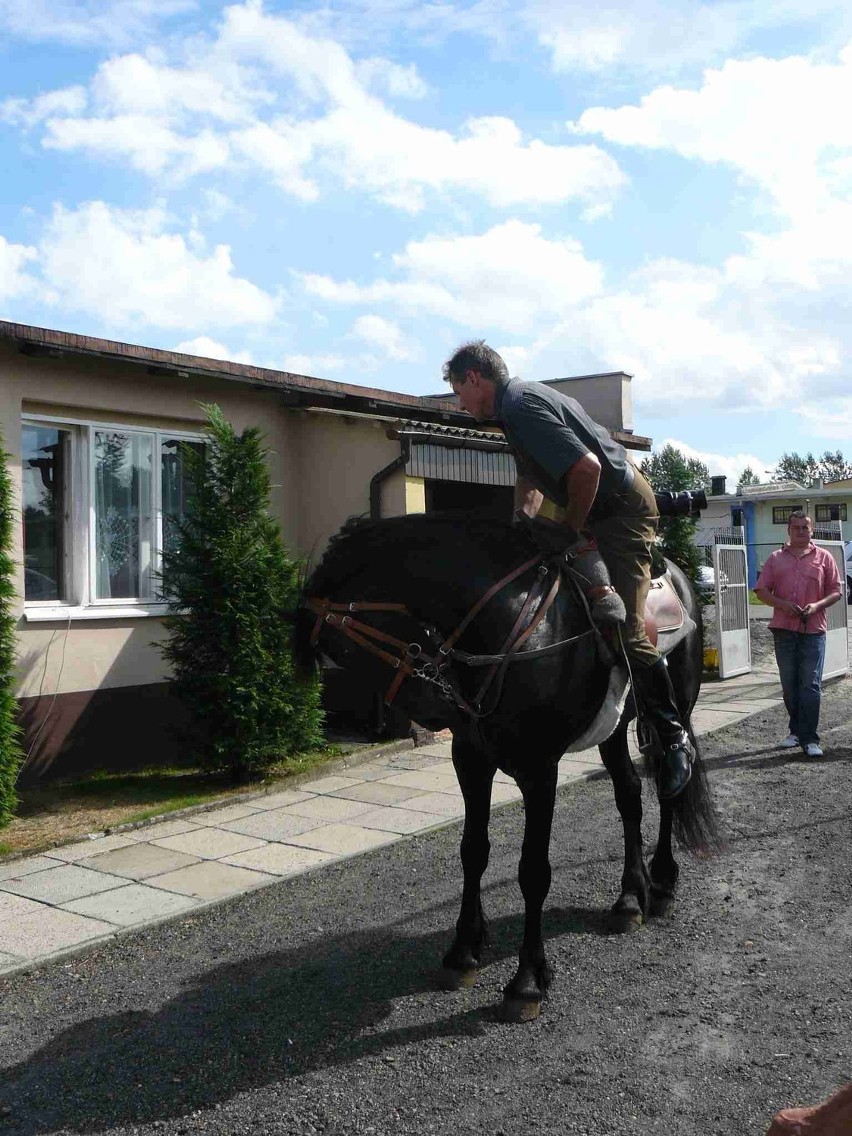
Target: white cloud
{"type": "Point", "coordinates": [322, 366]}
{"type": "Point", "coordinates": [382, 335]}
{"type": "Point", "coordinates": [509, 277]}
{"type": "Point", "coordinates": [782, 123]}
{"type": "Point", "coordinates": [126, 267]}
{"type": "Point", "coordinates": [302, 110]}
{"type": "Point", "coordinates": [828, 418]}
{"type": "Point", "coordinates": [87, 23]}
{"type": "Point", "coordinates": [207, 348]}
{"type": "Point", "coordinates": [383, 76]}
{"type": "Point", "coordinates": [667, 36]}
{"type": "Point", "coordinates": [15, 281]}
{"type": "Point", "coordinates": [730, 466]}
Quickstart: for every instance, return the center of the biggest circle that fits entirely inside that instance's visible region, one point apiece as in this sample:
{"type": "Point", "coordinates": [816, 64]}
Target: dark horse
{"type": "Point", "coordinates": [436, 567]}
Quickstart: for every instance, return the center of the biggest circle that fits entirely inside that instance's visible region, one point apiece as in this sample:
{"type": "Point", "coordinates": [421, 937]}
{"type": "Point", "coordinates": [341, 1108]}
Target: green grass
{"type": "Point", "coordinates": [754, 599]}
{"type": "Point", "coordinates": [60, 811]}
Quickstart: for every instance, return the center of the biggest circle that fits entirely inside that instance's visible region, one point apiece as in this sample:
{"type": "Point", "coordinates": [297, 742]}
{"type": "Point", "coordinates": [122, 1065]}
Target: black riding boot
{"type": "Point", "coordinates": [656, 695]}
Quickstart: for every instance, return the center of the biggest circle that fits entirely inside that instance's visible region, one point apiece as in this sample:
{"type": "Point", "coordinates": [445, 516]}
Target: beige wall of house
{"type": "Point", "coordinates": [62, 657]}
{"type": "Point", "coordinates": [321, 465]}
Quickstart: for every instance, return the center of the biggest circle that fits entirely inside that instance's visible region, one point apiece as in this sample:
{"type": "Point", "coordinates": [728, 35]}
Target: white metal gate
{"type": "Point", "coordinates": [836, 638]}
{"type": "Point", "coordinates": [730, 567]}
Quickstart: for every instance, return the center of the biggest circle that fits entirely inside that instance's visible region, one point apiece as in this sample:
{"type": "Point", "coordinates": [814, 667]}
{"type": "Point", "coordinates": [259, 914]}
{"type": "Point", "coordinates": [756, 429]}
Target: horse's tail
{"type": "Point", "coordinates": [695, 822]}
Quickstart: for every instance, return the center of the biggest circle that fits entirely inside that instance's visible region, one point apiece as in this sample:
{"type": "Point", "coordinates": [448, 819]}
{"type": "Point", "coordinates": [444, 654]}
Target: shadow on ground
{"type": "Point", "coordinates": [251, 1024]}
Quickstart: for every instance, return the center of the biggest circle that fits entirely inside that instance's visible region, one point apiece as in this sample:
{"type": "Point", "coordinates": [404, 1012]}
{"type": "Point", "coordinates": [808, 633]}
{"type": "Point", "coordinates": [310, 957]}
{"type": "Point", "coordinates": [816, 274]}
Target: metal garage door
{"type": "Point", "coordinates": [730, 567]}
{"type": "Point", "coordinates": [836, 638]}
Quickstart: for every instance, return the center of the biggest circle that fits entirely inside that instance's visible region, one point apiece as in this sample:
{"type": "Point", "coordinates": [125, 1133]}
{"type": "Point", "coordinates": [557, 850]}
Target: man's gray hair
{"type": "Point", "coordinates": [476, 356]}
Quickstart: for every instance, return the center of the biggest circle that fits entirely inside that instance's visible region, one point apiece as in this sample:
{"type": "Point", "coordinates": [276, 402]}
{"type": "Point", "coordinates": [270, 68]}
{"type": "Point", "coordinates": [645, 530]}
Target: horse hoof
{"type": "Point", "coordinates": [449, 979]}
{"type": "Point", "coordinates": [624, 922]}
{"type": "Point", "coordinates": [661, 906]}
{"type": "Point", "coordinates": [517, 1010]}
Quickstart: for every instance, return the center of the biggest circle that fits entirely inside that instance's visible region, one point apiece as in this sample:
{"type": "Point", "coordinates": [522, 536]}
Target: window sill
{"type": "Point", "coordinates": [59, 613]}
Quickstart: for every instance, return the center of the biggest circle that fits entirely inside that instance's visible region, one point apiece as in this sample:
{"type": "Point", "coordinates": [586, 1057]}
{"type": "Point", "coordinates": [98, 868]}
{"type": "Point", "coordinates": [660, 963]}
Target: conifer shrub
{"type": "Point", "coordinates": [230, 582]}
{"type": "Point", "coordinates": [11, 754]}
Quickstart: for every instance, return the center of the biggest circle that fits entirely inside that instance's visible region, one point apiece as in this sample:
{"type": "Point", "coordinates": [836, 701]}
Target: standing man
{"type": "Point", "coordinates": [800, 581]}
{"type": "Point", "coordinates": [561, 453]}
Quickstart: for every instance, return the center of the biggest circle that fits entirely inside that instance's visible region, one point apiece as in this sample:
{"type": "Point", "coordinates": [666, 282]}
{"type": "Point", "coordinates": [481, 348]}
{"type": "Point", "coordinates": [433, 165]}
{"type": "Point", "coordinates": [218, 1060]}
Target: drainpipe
{"type": "Point", "coordinates": [379, 478]}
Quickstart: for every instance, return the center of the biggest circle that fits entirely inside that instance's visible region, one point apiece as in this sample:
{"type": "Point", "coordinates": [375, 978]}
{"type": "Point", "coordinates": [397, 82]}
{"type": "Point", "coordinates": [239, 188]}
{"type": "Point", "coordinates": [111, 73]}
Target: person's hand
{"type": "Point", "coordinates": [807, 611]}
{"type": "Point", "coordinates": [790, 608]}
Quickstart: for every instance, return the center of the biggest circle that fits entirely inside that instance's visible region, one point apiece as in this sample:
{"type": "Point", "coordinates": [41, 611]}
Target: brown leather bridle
{"type": "Point", "coordinates": [411, 660]}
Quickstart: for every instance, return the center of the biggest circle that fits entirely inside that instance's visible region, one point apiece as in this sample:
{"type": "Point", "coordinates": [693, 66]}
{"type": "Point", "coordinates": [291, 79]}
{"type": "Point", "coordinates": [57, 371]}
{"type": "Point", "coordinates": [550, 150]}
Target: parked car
{"type": "Point", "coordinates": [705, 585]}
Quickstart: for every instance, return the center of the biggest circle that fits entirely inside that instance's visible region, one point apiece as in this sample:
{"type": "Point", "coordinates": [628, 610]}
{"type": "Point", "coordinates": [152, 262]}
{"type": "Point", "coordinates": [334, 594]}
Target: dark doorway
{"type": "Point", "coordinates": [495, 501]}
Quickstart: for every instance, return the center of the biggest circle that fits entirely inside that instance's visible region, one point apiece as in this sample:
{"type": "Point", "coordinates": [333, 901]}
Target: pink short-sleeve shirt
{"type": "Point", "coordinates": [806, 579]}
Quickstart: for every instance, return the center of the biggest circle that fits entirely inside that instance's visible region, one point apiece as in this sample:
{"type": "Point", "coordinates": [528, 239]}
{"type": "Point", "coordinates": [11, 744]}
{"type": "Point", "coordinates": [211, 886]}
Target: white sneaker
{"type": "Point", "coordinates": [790, 742]}
{"type": "Point", "coordinates": [812, 750]}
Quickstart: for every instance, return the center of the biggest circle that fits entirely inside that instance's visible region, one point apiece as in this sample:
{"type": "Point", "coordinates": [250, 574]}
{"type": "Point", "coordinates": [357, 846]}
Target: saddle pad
{"type": "Point", "coordinates": [663, 604]}
{"type": "Point", "coordinates": [609, 714]}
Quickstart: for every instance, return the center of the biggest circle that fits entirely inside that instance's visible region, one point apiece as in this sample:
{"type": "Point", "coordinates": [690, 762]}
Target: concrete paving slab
{"type": "Point", "coordinates": [745, 703]}
{"type": "Point", "coordinates": [343, 839]}
{"type": "Point", "coordinates": [417, 759]}
{"type": "Point", "coordinates": [31, 930]}
{"type": "Point", "coordinates": [442, 750]}
{"type": "Point", "coordinates": [218, 816]}
{"type": "Point", "coordinates": [403, 821]}
{"type": "Point", "coordinates": [131, 904]}
{"type": "Point", "coordinates": [280, 800]}
{"type": "Point", "coordinates": [138, 861]}
{"type": "Point", "coordinates": [15, 869]}
{"type": "Point", "coordinates": [67, 881]}
{"type": "Point", "coordinates": [163, 828]}
{"type": "Point", "coordinates": [705, 719]}
{"type": "Point", "coordinates": [426, 780]}
{"type": "Point", "coordinates": [445, 768]}
{"type": "Point", "coordinates": [371, 772]}
{"type": "Point", "coordinates": [280, 859]}
{"type": "Point", "coordinates": [7, 961]}
{"type": "Point", "coordinates": [210, 843]}
{"type": "Point", "coordinates": [83, 850]}
{"type": "Point", "coordinates": [328, 808]}
{"type": "Point", "coordinates": [210, 879]}
{"type": "Point", "coordinates": [329, 784]}
{"type": "Point", "coordinates": [275, 825]}
{"type": "Point", "coordinates": [501, 793]}
{"type": "Point", "coordinates": [442, 804]}
{"type": "Point", "coordinates": [376, 794]}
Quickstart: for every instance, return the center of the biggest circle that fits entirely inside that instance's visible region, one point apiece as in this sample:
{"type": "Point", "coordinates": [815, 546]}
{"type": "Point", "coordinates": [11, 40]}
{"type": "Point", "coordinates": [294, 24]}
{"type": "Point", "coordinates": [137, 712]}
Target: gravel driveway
{"type": "Point", "coordinates": [310, 1006]}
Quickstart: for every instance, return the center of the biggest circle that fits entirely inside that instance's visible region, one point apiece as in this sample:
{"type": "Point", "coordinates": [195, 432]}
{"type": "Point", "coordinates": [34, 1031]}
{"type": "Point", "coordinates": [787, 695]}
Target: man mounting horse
{"type": "Point", "coordinates": [564, 455]}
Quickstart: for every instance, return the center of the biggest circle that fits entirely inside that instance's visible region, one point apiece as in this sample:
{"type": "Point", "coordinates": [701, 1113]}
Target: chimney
{"type": "Point", "coordinates": [717, 485]}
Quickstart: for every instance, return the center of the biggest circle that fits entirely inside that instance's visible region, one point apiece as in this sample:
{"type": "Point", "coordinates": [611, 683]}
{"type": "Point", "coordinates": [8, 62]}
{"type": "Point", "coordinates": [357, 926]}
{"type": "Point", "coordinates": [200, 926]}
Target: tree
{"type": "Point", "coordinates": [831, 466]}
{"type": "Point", "coordinates": [230, 582]}
{"type": "Point", "coordinates": [672, 470]}
{"type": "Point", "coordinates": [747, 477]}
{"type": "Point", "coordinates": [11, 753]}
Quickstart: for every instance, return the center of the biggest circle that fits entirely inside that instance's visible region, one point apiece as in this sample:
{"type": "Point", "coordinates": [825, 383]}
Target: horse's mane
{"type": "Point", "coordinates": [375, 537]}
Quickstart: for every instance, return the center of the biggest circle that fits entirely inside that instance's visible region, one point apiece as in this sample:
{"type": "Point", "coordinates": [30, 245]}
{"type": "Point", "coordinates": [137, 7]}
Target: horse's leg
{"type": "Point", "coordinates": [663, 866]}
{"type": "Point", "coordinates": [522, 997]}
{"type": "Point", "coordinates": [475, 774]}
{"type": "Point", "coordinates": [632, 905]}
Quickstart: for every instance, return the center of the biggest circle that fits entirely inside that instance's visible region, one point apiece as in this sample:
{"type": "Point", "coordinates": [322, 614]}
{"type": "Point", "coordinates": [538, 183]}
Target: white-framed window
{"type": "Point", "coordinates": [100, 504]}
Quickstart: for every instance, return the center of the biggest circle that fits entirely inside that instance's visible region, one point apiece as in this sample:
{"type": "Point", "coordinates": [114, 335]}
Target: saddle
{"type": "Point", "coordinates": [663, 609]}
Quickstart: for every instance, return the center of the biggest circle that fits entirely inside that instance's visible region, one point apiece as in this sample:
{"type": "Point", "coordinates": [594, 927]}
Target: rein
{"type": "Point", "coordinates": [405, 656]}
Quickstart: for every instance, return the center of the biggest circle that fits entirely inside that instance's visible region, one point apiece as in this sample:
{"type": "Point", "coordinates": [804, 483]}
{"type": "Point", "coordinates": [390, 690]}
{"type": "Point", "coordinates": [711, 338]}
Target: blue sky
{"type": "Point", "coordinates": [351, 190]}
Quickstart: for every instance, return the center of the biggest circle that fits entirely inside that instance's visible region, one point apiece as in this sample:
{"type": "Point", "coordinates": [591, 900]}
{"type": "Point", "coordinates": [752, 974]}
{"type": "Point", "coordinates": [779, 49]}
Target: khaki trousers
{"type": "Point", "coordinates": [624, 540]}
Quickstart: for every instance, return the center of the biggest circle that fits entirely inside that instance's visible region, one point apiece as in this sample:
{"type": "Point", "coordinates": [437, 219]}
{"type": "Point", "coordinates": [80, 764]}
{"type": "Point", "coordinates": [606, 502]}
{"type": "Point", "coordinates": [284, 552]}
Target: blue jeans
{"type": "Point", "coordinates": [800, 660]}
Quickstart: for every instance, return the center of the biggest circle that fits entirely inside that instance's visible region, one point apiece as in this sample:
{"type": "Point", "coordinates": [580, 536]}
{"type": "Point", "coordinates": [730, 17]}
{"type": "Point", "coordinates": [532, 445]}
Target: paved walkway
{"type": "Point", "coordinates": [60, 903]}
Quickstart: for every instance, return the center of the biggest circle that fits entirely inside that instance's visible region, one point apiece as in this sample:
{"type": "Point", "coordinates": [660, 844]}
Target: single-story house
{"type": "Point", "coordinates": [757, 515]}
{"type": "Point", "coordinates": [93, 431]}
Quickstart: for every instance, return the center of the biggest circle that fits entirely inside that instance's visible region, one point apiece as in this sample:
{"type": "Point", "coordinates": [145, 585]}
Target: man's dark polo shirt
{"type": "Point", "coordinates": [548, 432]}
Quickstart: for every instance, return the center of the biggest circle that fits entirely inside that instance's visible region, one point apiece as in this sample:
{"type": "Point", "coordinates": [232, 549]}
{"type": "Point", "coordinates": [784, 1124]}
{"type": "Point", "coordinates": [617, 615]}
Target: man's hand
{"type": "Point", "coordinates": [790, 608]}
{"type": "Point", "coordinates": [808, 610]}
